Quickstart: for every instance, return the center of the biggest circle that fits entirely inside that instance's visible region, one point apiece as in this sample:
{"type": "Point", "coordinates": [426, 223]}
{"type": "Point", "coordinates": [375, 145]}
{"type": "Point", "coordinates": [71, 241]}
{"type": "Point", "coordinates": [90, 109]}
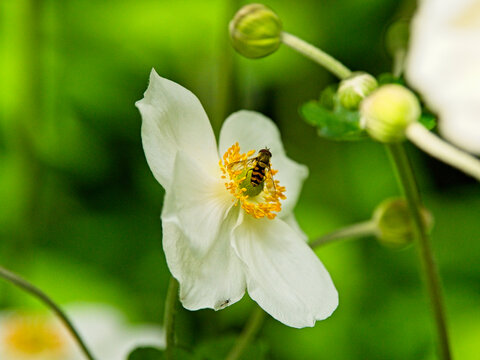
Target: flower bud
{"type": "Point", "coordinates": [394, 223]}
{"type": "Point", "coordinates": [355, 88]}
{"type": "Point", "coordinates": [255, 31]}
{"type": "Point", "coordinates": [388, 111]}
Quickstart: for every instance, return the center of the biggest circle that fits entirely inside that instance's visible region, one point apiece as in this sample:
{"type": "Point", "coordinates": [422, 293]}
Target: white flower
{"type": "Point", "coordinates": [444, 65]}
{"type": "Point", "coordinates": [33, 336]}
{"type": "Point", "coordinates": [214, 248]}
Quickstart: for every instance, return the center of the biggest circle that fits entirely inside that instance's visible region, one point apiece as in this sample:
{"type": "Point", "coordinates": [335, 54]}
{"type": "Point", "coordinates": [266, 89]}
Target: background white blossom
{"type": "Point", "coordinates": [444, 65]}
{"type": "Point", "coordinates": [104, 329]}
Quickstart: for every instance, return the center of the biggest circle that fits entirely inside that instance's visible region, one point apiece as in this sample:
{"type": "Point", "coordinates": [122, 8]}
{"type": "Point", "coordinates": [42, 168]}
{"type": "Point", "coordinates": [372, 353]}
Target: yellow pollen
{"type": "Point", "coordinates": [267, 203]}
{"type": "Point", "coordinates": [33, 336]}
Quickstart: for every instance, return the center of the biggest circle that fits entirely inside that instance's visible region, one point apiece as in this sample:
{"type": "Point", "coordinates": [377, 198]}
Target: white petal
{"type": "Point", "coordinates": [138, 336]}
{"type": "Point", "coordinates": [444, 65]}
{"type": "Point", "coordinates": [292, 222]}
{"type": "Point", "coordinates": [284, 276]}
{"type": "Point", "coordinates": [291, 175]}
{"type": "Point", "coordinates": [215, 280]}
{"type": "Point", "coordinates": [105, 331]}
{"type": "Point", "coordinates": [253, 131]}
{"type": "Point", "coordinates": [174, 119]}
{"type": "Point", "coordinates": [100, 326]}
{"type": "Point", "coordinates": [199, 201]}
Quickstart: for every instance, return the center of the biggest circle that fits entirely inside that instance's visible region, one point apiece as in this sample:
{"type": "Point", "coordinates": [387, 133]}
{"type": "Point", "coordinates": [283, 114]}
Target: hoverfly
{"type": "Point", "coordinates": [258, 165]}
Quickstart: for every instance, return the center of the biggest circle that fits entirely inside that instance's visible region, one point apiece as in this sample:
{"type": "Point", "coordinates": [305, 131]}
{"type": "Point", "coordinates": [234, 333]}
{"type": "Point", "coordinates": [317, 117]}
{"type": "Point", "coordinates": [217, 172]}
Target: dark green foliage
{"type": "Point", "coordinates": [152, 353]}
{"type": "Point", "coordinates": [389, 78]}
{"type": "Point", "coordinates": [428, 120]}
{"type": "Point", "coordinates": [146, 353]}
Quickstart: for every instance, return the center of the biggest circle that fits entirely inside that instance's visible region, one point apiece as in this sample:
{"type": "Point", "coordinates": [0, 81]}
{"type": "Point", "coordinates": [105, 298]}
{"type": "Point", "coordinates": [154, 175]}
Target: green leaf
{"type": "Point", "coordinates": [337, 123]}
{"type": "Point", "coordinates": [428, 120]}
{"type": "Point", "coordinates": [146, 353]}
{"type": "Point", "coordinates": [389, 78]}
{"type": "Point", "coordinates": [327, 97]}
{"type": "Point", "coordinates": [152, 353]}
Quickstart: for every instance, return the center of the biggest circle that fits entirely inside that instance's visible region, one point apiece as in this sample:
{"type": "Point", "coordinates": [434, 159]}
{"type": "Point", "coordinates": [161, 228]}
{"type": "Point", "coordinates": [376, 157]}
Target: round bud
{"type": "Point", "coordinates": [355, 88]}
{"type": "Point", "coordinates": [394, 223]}
{"type": "Point", "coordinates": [388, 111]}
{"type": "Point", "coordinates": [255, 31]}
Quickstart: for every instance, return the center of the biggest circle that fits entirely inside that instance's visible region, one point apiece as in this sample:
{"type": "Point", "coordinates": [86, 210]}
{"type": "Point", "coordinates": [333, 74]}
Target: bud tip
{"type": "Point", "coordinates": [355, 88]}
{"type": "Point", "coordinates": [255, 31]}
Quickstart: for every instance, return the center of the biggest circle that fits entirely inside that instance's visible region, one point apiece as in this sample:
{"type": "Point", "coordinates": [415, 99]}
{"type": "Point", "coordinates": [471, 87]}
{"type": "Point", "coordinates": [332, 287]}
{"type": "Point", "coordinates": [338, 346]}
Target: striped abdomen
{"type": "Point", "coordinates": [258, 173]}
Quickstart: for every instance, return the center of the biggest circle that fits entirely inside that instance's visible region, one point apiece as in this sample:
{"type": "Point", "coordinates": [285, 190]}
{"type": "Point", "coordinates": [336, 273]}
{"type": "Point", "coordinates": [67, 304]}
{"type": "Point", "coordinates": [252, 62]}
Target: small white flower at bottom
{"type": "Point", "coordinates": [41, 336]}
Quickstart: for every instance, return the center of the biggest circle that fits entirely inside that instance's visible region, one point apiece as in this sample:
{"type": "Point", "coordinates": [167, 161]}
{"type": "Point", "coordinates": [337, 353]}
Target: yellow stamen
{"type": "Point", "coordinates": [267, 203]}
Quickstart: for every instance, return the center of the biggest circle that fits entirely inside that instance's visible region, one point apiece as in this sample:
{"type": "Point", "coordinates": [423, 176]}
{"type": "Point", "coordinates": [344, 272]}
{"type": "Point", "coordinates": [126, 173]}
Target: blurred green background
{"type": "Point", "coordinates": [79, 208]}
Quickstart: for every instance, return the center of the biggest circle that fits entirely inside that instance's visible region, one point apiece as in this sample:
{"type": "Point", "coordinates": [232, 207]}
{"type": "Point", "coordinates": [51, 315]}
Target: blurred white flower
{"type": "Point", "coordinates": [444, 65]}
{"type": "Point", "coordinates": [34, 336]}
{"type": "Point", "coordinates": [221, 235]}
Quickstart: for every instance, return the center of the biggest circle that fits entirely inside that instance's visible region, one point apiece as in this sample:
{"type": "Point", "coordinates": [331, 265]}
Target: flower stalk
{"type": "Point", "coordinates": [317, 55]}
{"type": "Point", "coordinates": [361, 229]}
{"type": "Point", "coordinates": [429, 268]}
{"type": "Point", "coordinates": [442, 150]}
{"type": "Point", "coordinates": [248, 334]}
{"type": "Point", "coordinates": [169, 317]}
{"type": "Point", "coordinates": [40, 295]}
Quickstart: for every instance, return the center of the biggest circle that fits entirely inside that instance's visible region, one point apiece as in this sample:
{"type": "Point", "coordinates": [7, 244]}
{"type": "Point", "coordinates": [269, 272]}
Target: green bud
{"type": "Point", "coordinates": [394, 223]}
{"type": "Point", "coordinates": [388, 111]}
{"type": "Point", "coordinates": [255, 31]}
{"type": "Point", "coordinates": [355, 88]}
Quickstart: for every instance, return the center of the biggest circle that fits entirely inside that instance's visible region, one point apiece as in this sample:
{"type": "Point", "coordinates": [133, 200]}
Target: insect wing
{"type": "Point", "coordinates": [242, 164]}
{"type": "Point", "coordinates": [270, 182]}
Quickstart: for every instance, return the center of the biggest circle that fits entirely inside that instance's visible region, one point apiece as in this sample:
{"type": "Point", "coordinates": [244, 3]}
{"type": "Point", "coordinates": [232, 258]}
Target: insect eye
{"type": "Point", "coordinates": [266, 151]}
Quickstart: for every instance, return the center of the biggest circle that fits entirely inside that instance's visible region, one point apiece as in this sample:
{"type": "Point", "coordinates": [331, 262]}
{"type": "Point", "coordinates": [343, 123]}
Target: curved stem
{"type": "Point", "coordinates": [169, 317]}
{"type": "Point", "coordinates": [251, 329]}
{"type": "Point", "coordinates": [361, 229]}
{"type": "Point", "coordinates": [317, 55]}
{"type": "Point", "coordinates": [31, 289]}
{"type": "Point", "coordinates": [430, 272]}
{"type": "Point", "coordinates": [433, 145]}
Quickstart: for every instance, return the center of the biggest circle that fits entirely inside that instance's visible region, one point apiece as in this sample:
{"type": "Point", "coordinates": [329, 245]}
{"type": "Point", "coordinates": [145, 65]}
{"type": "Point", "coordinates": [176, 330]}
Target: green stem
{"type": "Point", "coordinates": [399, 62]}
{"type": "Point", "coordinates": [361, 229]}
{"type": "Point", "coordinates": [251, 329]}
{"type": "Point", "coordinates": [317, 55]}
{"type": "Point", "coordinates": [169, 318]}
{"type": "Point", "coordinates": [430, 272]}
{"type": "Point", "coordinates": [31, 289]}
